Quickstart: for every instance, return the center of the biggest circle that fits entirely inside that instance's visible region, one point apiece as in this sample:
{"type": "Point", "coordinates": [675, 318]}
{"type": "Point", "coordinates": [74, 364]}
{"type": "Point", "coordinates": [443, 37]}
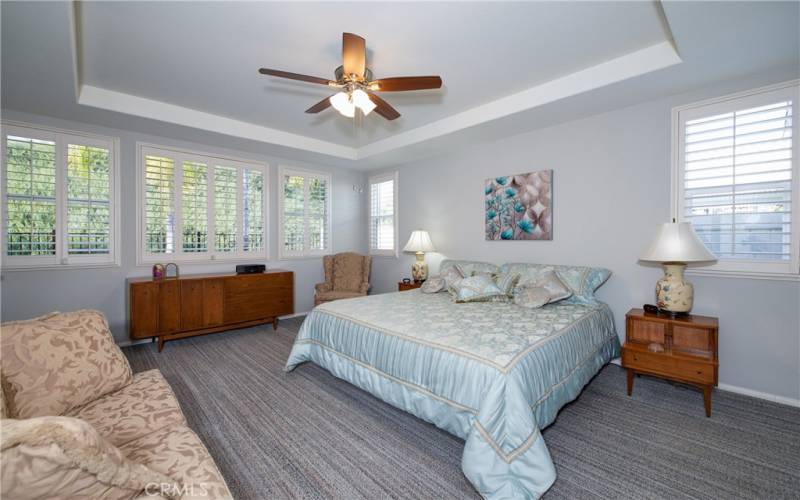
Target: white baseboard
{"type": "Point", "coordinates": [746, 392]}
{"type": "Point", "coordinates": [128, 343]}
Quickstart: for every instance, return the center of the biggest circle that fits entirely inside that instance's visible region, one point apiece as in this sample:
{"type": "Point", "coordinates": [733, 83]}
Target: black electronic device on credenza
{"type": "Point", "coordinates": [250, 268]}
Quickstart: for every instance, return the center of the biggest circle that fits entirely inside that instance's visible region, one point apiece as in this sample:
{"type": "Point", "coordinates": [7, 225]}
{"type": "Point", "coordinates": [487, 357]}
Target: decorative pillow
{"type": "Point", "coordinates": [433, 285]}
{"type": "Point", "coordinates": [581, 280]}
{"type": "Point", "coordinates": [451, 274]}
{"type": "Point", "coordinates": [58, 363]}
{"type": "Point", "coordinates": [63, 457]}
{"type": "Point", "coordinates": [532, 297]}
{"type": "Point", "coordinates": [479, 288]}
{"type": "Point", "coordinates": [506, 282]}
{"type": "Point", "coordinates": [554, 286]}
{"type": "Point", "coordinates": [468, 267]}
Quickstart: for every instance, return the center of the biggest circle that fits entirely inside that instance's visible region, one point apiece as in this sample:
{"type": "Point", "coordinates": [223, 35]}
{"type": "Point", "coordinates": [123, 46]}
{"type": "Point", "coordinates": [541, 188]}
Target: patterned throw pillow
{"type": "Point", "coordinates": [506, 282]}
{"type": "Point", "coordinates": [532, 297]}
{"type": "Point", "coordinates": [554, 286]}
{"type": "Point", "coordinates": [451, 275]}
{"type": "Point", "coordinates": [433, 285]}
{"type": "Point", "coordinates": [57, 363]}
{"type": "Point", "coordinates": [479, 288]}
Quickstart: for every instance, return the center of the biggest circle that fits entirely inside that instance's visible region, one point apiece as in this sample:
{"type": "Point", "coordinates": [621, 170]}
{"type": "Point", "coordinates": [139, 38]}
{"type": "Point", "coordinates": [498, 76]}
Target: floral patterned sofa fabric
{"type": "Point", "coordinates": [178, 453]}
{"type": "Point", "coordinates": [53, 364]}
{"type": "Point", "coordinates": [65, 458]}
{"type": "Point", "coordinates": [469, 267]}
{"type": "Point", "coordinates": [143, 407]}
{"type": "Point", "coordinates": [581, 280]}
{"type": "Point", "coordinates": [346, 276]}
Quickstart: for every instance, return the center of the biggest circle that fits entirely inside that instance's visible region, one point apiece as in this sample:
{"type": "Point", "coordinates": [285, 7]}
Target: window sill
{"type": "Point", "coordinates": [57, 267]}
{"type": "Point", "coordinates": [755, 275]}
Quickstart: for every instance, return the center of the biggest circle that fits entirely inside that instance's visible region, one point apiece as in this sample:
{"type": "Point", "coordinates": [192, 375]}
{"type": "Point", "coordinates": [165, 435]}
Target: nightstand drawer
{"type": "Point", "coordinates": [645, 332]}
{"type": "Point", "coordinates": [665, 364]}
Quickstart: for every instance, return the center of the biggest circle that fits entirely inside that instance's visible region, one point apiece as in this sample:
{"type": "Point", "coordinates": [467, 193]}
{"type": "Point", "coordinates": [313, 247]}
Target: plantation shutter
{"type": "Point", "coordinates": [30, 197]}
{"type": "Point", "coordinates": [159, 204]}
{"type": "Point", "coordinates": [253, 210]}
{"type": "Point", "coordinates": [382, 215]}
{"type": "Point", "coordinates": [305, 213]}
{"type": "Point", "coordinates": [317, 218]}
{"type": "Point", "coordinates": [88, 200]}
{"type": "Point", "coordinates": [737, 181]}
{"type": "Point", "coordinates": [225, 208]}
{"type": "Point", "coordinates": [194, 204]}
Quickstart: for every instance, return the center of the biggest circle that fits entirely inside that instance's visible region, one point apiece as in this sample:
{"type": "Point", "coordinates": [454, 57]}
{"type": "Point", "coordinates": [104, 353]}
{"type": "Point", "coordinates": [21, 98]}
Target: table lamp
{"type": "Point", "coordinates": [675, 245]}
{"type": "Point", "coordinates": [419, 242]}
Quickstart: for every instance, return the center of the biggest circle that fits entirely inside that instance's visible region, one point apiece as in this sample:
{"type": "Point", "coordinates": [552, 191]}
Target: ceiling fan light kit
{"type": "Point", "coordinates": [355, 83]}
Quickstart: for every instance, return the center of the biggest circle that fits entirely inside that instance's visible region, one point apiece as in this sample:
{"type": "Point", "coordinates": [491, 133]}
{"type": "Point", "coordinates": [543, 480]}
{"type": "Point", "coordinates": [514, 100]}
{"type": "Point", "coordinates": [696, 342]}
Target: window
{"type": "Point", "coordinates": [196, 207]}
{"type": "Point", "coordinates": [59, 192]}
{"type": "Point", "coordinates": [736, 179]}
{"type": "Point", "coordinates": [304, 225]}
{"type": "Point", "coordinates": [383, 214]}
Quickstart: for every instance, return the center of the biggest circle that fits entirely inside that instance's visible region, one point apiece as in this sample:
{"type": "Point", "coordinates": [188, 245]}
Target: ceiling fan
{"type": "Point", "coordinates": [355, 83]}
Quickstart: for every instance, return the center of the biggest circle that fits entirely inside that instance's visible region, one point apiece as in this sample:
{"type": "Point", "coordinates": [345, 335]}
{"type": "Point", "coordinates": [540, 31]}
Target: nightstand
{"type": "Point", "coordinates": [402, 287]}
{"type": "Point", "coordinates": [682, 349]}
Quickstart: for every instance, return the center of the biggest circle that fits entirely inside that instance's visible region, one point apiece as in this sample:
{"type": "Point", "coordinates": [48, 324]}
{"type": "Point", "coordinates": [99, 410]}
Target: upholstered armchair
{"type": "Point", "coordinates": [346, 276]}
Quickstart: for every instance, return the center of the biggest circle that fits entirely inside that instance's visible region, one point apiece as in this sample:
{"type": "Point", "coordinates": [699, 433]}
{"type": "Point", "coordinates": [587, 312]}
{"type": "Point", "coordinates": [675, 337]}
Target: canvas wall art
{"type": "Point", "coordinates": [520, 207]}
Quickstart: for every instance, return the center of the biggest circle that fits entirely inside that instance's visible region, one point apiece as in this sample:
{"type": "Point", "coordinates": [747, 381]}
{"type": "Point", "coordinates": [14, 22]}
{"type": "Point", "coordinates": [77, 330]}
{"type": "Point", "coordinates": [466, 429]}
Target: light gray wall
{"type": "Point", "coordinates": [26, 294]}
{"type": "Point", "coordinates": [611, 182]}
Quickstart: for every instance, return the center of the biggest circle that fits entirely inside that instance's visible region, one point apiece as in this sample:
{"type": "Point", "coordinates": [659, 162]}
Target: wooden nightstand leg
{"type": "Point", "coordinates": [630, 381]}
{"type": "Point", "coordinates": [707, 399]}
{"type": "Point", "coordinates": [275, 323]}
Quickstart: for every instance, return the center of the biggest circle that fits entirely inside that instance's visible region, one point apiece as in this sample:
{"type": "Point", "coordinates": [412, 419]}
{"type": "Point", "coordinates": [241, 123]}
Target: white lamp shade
{"type": "Point", "coordinates": [420, 241]}
{"type": "Point", "coordinates": [677, 242]}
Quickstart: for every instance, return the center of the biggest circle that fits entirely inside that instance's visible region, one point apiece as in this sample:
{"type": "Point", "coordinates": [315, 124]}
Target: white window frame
{"type": "Point", "coordinates": [377, 179]}
{"type": "Point", "coordinates": [751, 98]}
{"type": "Point", "coordinates": [179, 155]}
{"type": "Point", "coordinates": [283, 171]}
{"type": "Point", "coordinates": [62, 259]}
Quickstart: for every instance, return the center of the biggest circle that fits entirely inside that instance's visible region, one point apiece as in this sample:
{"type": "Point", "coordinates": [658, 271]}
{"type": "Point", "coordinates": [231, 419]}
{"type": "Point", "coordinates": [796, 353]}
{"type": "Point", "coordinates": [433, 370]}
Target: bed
{"type": "Point", "coordinates": [492, 373]}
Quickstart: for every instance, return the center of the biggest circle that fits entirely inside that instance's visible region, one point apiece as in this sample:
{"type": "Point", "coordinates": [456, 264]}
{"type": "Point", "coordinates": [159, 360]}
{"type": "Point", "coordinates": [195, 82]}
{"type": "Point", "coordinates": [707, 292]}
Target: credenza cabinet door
{"type": "Point", "coordinates": [169, 306]}
{"type": "Point", "coordinates": [144, 306]}
{"type": "Point", "coordinates": [213, 299]}
{"type": "Point", "coordinates": [254, 297]}
{"type": "Point", "coordinates": [191, 304]}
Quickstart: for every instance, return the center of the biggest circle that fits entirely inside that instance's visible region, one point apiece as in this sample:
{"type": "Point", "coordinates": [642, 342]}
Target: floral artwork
{"type": "Point", "coordinates": [520, 207]}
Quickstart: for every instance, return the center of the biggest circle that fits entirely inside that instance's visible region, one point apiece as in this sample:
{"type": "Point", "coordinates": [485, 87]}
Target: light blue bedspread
{"type": "Point", "coordinates": [491, 373]}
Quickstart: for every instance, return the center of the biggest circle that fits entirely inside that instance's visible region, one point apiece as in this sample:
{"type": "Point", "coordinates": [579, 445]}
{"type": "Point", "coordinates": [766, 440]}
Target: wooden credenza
{"type": "Point", "coordinates": [175, 308]}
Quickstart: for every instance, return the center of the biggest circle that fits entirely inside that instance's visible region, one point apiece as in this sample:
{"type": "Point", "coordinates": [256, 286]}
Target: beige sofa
{"type": "Point", "coordinates": [76, 422]}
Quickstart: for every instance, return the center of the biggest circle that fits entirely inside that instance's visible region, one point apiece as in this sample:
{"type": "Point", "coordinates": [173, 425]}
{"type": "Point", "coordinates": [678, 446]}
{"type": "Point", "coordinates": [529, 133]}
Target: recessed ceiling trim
{"type": "Point", "coordinates": [147, 108]}
{"type": "Point", "coordinates": [653, 58]}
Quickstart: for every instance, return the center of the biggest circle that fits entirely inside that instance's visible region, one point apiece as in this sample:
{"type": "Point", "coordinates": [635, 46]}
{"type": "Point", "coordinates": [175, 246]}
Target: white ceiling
{"type": "Point", "coordinates": [195, 63]}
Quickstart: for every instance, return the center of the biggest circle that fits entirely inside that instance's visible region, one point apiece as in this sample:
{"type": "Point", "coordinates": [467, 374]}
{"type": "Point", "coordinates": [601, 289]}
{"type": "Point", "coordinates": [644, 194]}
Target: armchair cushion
{"type": "Point", "coordinates": [336, 295]}
{"type": "Point", "coordinates": [349, 272]}
{"type": "Point", "coordinates": [53, 364]}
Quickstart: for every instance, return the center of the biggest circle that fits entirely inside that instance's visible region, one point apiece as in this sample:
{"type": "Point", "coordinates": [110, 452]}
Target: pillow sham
{"type": "Point", "coordinates": [506, 282]}
{"type": "Point", "coordinates": [468, 266]}
{"type": "Point", "coordinates": [532, 297]}
{"type": "Point", "coordinates": [581, 280]}
{"type": "Point", "coordinates": [556, 288]}
{"type": "Point", "coordinates": [433, 285]}
{"type": "Point", "coordinates": [451, 274]}
{"type": "Point", "coordinates": [479, 288]}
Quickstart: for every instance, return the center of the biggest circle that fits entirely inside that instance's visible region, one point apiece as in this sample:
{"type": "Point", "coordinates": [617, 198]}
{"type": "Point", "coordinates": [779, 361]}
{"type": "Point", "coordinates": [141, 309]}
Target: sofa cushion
{"type": "Point", "coordinates": [53, 364]}
{"type": "Point", "coordinates": [62, 457]}
{"type": "Point", "coordinates": [177, 452]}
{"type": "Point", "coordinates": [144, 406]}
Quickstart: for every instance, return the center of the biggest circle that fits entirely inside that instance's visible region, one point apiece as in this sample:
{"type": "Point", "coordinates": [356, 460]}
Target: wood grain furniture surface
{"type": "Point", "coordinates": [175, 308]}
{"type": "Point", "coordinates": [402, 287]}
{"type": "Point", "coordinates": [683, 349]}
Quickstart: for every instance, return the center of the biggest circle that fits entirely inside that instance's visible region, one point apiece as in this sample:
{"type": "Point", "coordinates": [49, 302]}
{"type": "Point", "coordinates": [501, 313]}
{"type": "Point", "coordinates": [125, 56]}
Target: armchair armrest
{"type": "Point", "coordinates": [364, 288]}
{"type": "Point", "coordinates": [322, 287]}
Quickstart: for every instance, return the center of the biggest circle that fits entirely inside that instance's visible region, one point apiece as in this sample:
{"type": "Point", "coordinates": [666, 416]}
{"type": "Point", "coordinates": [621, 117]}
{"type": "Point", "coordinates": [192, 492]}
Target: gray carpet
{"type": "Point", "coordinates": [309, 435]}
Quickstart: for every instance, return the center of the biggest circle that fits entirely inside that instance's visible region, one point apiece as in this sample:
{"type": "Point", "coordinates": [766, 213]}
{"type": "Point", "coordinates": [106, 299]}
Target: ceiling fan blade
{"type": "Point", "coordinates": [294, 76]}
{"type": "Point", "coordinates": [383, 108]}
{"type": "Point", "coordinates": [354, 54]}
{"type": "Point", "coordinates": [323, 104]}
{"type": "Point", "coordinates": [402, 83]}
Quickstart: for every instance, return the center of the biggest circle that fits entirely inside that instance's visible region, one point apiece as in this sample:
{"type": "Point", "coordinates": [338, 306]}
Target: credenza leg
{"type": "Point", "coordinates": [275, 323]}
{"type": "Point", "coordinates": [707, 399]}
{"type": "Point", "coordinates": [630, 381]}
{"type": "Point", "coordinates": [160, 344]}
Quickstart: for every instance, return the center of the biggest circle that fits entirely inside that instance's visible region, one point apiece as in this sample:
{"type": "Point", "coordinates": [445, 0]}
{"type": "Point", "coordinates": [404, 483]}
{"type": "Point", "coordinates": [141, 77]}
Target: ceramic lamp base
{"type": "Point", "coordinates": [419, 271]}
{"type": "Point", "coordinates": [674, 294]}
